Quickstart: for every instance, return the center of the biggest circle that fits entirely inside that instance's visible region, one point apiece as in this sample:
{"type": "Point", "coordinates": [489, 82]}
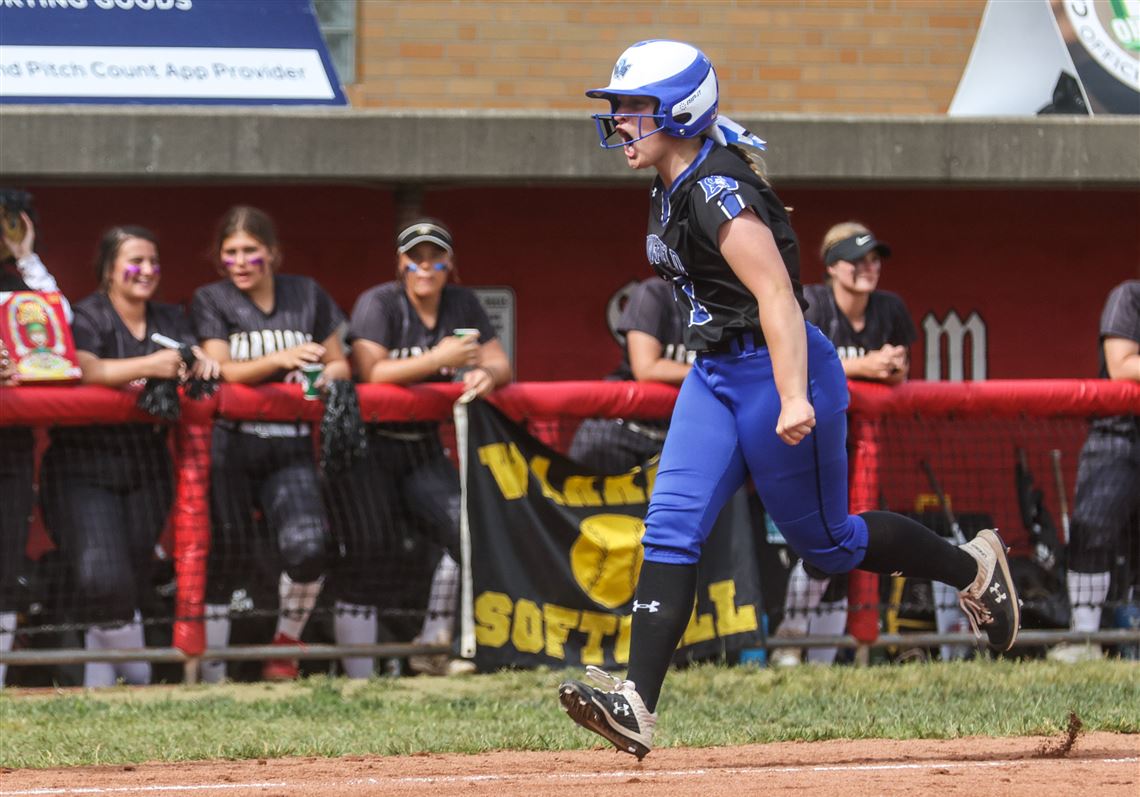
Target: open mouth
{"type": "Point", "coordinates": [627, 142]}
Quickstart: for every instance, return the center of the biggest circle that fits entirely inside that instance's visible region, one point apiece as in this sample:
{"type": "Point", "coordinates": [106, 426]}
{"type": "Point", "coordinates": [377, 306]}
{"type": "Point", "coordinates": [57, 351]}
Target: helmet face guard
{"type": "Point", "coordinates": [607, 127]}
{"type": "Point", "coordinates": [678, 76]}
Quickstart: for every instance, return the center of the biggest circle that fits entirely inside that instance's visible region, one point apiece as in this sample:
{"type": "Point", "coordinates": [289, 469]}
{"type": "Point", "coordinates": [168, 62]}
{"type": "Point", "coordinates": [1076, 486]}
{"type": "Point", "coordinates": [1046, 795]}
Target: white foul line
{"type": "Point", "coordinates": [558, 776]}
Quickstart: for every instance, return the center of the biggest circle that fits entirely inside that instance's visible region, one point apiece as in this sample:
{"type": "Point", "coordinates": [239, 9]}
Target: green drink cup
{"type": "Point", "coordinates": [310, 373]}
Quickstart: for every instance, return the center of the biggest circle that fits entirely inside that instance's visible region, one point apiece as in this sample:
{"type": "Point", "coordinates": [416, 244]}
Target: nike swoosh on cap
{"type": "Point", "coordinates": [862, 239]}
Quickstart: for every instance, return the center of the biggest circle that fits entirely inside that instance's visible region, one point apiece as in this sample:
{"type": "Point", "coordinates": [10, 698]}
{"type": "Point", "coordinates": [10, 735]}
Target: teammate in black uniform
{"type": "Point", "coordinates": [872, 332]}
{"type": "Point", "coordinates": [654, 351]}
{"type": "Point", "coordinates": [766, 395]}
{"type": "Point", "coordinates": [107, 490]}
{"type": "Point", "coordinates": [20, 270]}
{"type": "Point", "coordinates": [416, 328]}
{"type": "Point", "coordinates": [262, 326]}
{"type": "Point", "coordinates": [1106, 510]}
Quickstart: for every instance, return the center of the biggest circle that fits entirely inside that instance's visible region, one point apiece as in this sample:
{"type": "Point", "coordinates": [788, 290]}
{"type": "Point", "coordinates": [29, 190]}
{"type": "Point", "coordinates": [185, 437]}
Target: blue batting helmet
{"type": "Point", "coordinates": [679, 76]}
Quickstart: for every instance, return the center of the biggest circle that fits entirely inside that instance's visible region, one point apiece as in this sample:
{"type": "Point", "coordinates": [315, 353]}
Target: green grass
{"type": "Point", "coordinates": [702, 706]}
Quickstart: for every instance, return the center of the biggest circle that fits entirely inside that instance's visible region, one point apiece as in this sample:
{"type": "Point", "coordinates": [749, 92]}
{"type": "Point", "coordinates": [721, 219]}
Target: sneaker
{"type": "Point", "coordinates": [431, 664]}
{"type": "Point", "coordinates": [281, 669]}
{"type": "Point", "coordinates": [1075, 653]}
{"type": "Point", "coordinates": [991, 602]}
{"type": "Point", "coordinates": [618, 714]}
{"type": "Point", "coordinates": [787, 657]}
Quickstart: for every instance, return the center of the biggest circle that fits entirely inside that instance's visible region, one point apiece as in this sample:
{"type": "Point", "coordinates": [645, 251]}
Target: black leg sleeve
{"type": "Point", "coordinates": [897, 544]}
{"type": "Point", "coordinates": [662, 607]}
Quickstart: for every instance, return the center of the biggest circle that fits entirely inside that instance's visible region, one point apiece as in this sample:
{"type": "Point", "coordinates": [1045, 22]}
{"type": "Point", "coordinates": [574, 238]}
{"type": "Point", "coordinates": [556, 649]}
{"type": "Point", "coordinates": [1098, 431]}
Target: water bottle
{"type": "Point", "coordinates": [756, 657]}
{"type": "Point", "coordinates": [1128, 616]}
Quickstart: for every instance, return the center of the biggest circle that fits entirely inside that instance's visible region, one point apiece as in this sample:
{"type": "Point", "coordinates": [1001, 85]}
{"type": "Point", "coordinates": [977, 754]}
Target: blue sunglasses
{"type": "Point", "coordinates": [414, 268]}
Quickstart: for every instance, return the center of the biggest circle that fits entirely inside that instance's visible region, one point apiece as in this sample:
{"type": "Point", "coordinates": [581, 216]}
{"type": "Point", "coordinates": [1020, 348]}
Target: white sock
{"type": "Point", "coordinates": [830, 621]}
{"type": "Point", "coordinates": [127, 637]}
{"type": "Point", "coordinates": [217, 636]}
{"type": "Point", "coordinates": [96, 673]}
{"type": "Point", "coordinates": [1087, 593]}
{"type": "Point", "coordinates": [948, 619]}
{"type": "Point", "coordinates": [801, 598]}
{"type": "Point", "coordinates": [443, 600]}
{"type": "Point", "coordinates": [7, 636]}
{"type": "Point", "coordinates": [297, 602]}
{"type": "Point", "coordinates": [355, 624]}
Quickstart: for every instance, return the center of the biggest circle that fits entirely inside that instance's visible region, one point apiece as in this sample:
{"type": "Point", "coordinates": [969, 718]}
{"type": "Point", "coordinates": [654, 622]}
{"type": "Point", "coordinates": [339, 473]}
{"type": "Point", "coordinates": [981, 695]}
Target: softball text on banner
{"type": "Point", "coordinates": [165, 51]}
{"type": "Point", "coordinates": [556, 551]}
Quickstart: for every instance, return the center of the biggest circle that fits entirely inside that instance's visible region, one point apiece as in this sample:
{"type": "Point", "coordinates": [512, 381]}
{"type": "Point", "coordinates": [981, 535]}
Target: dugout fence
{"type": "Point", "coordinates": [959, 456]}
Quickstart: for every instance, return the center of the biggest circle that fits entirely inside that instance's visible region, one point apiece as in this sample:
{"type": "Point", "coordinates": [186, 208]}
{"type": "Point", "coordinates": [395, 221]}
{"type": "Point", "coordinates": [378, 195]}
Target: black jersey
{"type": "Point", "coordinates": [682, 244]}
{"type": "Point", "coordinates": [302, 312]}
{"type": "Point", "coordinates": [651, 309]}
{"type": "Point", "coordinates": [385, 316]}
{"type": "Point", "coordinates": [886, 321]}
{"type": "Point", "coordinates": [98, 329]}
{"type": "Point", "coordinates": [1119, 319]}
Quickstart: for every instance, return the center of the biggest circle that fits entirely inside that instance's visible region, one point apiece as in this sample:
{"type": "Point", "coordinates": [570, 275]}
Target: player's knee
{"type": "Point", "coordinates": [106, 596]}
{"type": "Point", "coordinates": [670, 552]}
{"type": "Point", "coordinates": [815, 572]}
{"type": "Point", "coordinates": [1090, 560]}
{"type": "Point", "coordinates": [304, 550]}
{"type": "Point", "coordinates": [826, 551]}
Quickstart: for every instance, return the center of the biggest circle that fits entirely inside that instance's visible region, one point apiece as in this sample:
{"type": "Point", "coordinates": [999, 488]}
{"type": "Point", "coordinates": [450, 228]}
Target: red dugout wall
{"type": "Point", "coordinates": [968, 431]}
{"type": "Point", "coordinates": [1036, 264]}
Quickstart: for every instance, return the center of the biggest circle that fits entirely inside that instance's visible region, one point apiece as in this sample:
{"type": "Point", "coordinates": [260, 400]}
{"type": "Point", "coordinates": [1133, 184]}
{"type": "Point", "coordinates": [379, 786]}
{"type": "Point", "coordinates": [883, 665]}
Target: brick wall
{"type": "Point", "coordinates": [813, 56]}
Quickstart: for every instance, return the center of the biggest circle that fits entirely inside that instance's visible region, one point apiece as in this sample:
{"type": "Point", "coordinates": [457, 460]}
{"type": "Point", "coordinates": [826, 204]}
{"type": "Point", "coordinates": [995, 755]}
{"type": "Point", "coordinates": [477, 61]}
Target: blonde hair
{"type": "Point", "coordinates": [838, 233]}
{"type": "Point", "coordinates": [754, 160]}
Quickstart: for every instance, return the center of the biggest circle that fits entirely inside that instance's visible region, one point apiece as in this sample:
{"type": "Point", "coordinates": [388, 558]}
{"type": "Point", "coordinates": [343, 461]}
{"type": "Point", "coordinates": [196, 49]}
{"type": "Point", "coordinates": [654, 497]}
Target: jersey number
{"type": "Point", "coordinates": [698, 315]}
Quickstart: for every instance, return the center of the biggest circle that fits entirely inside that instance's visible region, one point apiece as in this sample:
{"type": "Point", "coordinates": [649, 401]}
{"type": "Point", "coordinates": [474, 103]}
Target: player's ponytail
{"type": "Point", "coordinates": [753, 159]}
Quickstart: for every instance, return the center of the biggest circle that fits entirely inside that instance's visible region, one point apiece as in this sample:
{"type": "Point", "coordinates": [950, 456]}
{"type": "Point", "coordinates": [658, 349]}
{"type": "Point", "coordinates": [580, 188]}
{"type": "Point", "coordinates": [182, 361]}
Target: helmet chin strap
{"type": "Point", "coordinates": [724, 131]}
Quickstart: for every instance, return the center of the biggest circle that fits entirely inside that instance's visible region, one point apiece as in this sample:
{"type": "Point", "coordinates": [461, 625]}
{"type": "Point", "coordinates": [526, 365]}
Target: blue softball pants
{"type": "Point", "coordinates": [724, 428]}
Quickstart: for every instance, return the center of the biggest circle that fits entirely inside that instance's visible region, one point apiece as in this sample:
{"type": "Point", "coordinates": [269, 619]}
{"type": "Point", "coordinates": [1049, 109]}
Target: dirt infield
{"type": "Point", "coordinates": [1103, 764]}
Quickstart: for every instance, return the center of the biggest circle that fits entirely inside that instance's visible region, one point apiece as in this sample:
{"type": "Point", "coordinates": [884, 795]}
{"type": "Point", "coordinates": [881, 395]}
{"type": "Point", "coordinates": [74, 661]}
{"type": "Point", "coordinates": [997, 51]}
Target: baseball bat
{"type": "Point", "coordinates": [1055, 455]}
{"type": "Point", "coordinates": [955, 530]}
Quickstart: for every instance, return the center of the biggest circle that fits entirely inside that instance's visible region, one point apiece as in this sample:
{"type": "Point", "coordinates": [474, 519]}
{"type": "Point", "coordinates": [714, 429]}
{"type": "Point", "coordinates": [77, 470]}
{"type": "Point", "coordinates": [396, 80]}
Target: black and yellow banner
{"type": "Point", "coordinates": [555, 552]}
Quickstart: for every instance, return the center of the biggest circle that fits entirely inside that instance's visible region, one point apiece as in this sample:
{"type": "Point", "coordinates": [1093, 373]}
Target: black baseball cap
{"type": "Point", "coordinates": [424, 230]}
{"type": "Point", "coordinates": [854, 247]}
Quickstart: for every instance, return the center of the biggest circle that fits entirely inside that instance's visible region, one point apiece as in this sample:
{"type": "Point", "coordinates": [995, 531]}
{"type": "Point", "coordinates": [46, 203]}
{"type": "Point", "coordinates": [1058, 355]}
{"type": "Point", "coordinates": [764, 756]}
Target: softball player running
{"type": "Point", "coordinates": [262, 326]}
{"type": "Point", "coordinates": [766, 396]}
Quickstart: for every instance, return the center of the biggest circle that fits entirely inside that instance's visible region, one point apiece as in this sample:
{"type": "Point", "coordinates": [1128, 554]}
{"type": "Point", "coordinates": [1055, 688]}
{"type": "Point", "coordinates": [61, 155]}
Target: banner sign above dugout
{"type": "Point", "coordinates": [252, 52]}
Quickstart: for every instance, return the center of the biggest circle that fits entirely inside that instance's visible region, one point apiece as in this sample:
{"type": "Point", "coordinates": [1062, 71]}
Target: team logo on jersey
{"type": "Point", "coordinates": [716, 184]}
{"type": "Point", "coordinates": [661, 257]}
{"type": "Point", "coordinates": [668, 264]}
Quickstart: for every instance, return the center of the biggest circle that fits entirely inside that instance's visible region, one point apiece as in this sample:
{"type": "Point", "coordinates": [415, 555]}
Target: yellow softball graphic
{"type": "Point", "coordinates": [606, 557]}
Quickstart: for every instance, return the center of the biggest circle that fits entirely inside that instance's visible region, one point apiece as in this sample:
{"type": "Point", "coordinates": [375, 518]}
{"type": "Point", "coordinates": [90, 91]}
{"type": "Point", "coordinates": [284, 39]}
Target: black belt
{"type": "Point", "coordinates": [748, 340]}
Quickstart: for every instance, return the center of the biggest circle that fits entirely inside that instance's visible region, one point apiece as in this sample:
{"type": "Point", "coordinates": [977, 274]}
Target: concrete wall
{"type": "Point", "coordinates": [146, 144]}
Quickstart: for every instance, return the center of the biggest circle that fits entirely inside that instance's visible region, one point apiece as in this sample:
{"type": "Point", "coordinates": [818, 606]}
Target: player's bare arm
{"type": "Point", "coordinates": [1122, 358]}
{"type": "Point", "coordinates": [336, 364]}
{"type": "Point", "coordinates": [492, 370]}
{"type": "Point", "coordinates": [748, 247]}
{"type": "Point", "coordinates": [888, 365]}
{"type": "Point", "coordinates": [373, 363]}
{"type": "Point", "coordinates": [256, 371]}
{"type": "Point", "coordinates": [162, 364]}
{"type": "Point", "coordinates": [647, 360]}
